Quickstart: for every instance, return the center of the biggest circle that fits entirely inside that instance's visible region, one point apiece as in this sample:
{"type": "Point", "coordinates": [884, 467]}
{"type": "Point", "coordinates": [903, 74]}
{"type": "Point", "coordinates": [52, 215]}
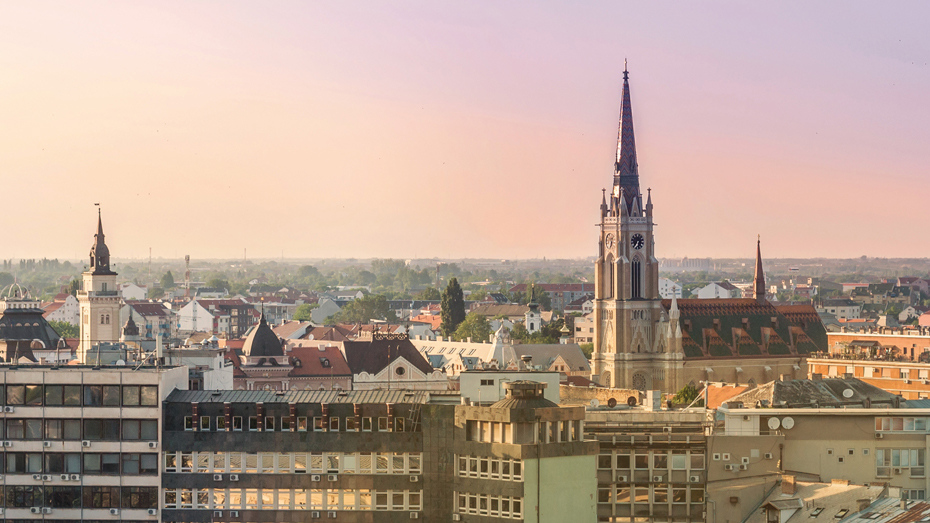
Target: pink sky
{"type": "Point", "coordinates": [469, 129]}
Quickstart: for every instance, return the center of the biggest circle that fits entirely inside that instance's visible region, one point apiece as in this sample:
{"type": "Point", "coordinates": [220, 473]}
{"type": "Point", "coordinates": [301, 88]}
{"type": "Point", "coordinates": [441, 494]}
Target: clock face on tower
{"type": "Point", "coordinates": [637, 241]}
{"type": "Point", "coordinates": [609, 241]}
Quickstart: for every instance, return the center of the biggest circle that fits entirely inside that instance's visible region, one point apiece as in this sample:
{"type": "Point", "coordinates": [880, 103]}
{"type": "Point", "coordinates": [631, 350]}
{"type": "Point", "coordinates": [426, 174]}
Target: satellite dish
{"type": "Point", "coordinates": [595, 403]}
{"type": "Point", "coordinates": [848, 393]}
{"type": "Point", "coordinates": [787, 422]}
{"type": "Point", "coordinates": [120, 362]}
{"type": "Point", "coordinates": [774, 423]}
{"type": "Point", "coordinates": [611, 403]}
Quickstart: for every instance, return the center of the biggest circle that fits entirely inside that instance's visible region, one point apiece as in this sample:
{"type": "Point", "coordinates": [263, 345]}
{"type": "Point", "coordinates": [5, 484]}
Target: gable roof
{"type": "Point", "coordinates": [146, 308]}
{"type": "Point", "coordinates": [317, 361]}
{"type": "Point", "coordinates": [506, 309]}
{"type": "Point", "coordinates": [372, 356]}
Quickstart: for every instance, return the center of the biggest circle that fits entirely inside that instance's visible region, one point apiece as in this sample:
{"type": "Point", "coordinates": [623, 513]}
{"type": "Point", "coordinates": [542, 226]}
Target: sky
{"type": "Point", "coordinates": [461, 129]}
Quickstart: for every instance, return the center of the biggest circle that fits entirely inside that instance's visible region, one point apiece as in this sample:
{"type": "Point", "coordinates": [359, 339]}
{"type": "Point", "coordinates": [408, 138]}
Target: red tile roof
{"type": "Point", "coordinates": [309, 361]}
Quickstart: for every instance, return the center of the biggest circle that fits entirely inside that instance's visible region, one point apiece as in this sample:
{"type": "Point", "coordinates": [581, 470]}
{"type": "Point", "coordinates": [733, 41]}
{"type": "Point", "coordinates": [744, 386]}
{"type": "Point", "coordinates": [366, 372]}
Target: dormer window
{"type": "Point", "coordinates": [324, 362]}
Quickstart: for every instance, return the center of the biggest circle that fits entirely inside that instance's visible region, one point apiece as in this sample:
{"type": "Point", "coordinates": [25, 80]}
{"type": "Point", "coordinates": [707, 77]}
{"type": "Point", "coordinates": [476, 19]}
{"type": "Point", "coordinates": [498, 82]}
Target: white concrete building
{"type": "Point", "coordinates": [669, 289]}
{"type": "Point", "coordinates": [718, 290]}
{"type": "Point", "coordinates": [487, 386]}
{"type": "Point", "coordinates": [131, 291]}
{"type": "Point", "coordinates": [67, 310]}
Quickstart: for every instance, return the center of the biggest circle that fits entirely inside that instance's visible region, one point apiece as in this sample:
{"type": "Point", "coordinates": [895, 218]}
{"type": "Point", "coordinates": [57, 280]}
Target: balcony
{"type": "Point", "coordinates": [92, 294]}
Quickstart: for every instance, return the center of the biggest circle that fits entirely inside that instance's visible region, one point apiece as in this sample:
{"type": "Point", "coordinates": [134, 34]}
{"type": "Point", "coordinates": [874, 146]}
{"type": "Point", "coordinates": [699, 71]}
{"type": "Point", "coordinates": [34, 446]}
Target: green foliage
{"type": "Point", "coordinates": [6, 278]}
{"type": "Point", "coordinates": [533, 294]}
{"type": "Point", "coordinates": [429, 293]}
{"type": "Point", "coordinates": [687, 394]}
{"type": "Point", "coordinates": [167, 281]}
{"type": "Point", "coordinates": [453, 308]}
{"type": "Point", "coordinates": [65, 329]}
{"type": "Point", "coordinates": [156, 293]}
{"type": "Point", "coordinates": [308, 271]}
{"type": "Point", "coordinates": [218, 283]}
{"type": "Point", "coordinates": [75, 285]}
{"type": "Point", "coordinates": [478, 295]}
{"type": "Point", "coordinates": [302, 313]}
{"type": "Point", "coordinates": [587, 349]}
{"type": "Point", "coordinates": [548, 334]}
{"type": "Point", "coordinates": [365, 309]}
{"type": "Point", "coordinates": [475, 326]}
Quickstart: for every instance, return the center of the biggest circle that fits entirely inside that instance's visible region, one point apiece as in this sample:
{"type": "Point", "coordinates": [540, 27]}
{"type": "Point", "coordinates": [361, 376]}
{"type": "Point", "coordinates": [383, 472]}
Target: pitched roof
{"type": "Point", "coordinates": [372, 356]}
{"type": "Point", "coordinates": [823, 392]}
{"type": "Point", "coordinates": [507, 309]}
{"type": "Point", "coordinates": [317, 361]}
{"type": "Point", "coordinates": [296, 396]}
{"type": "Point", "coordinates": [557, 287]}
{"type": "Point", "coordinates": [146, 308]}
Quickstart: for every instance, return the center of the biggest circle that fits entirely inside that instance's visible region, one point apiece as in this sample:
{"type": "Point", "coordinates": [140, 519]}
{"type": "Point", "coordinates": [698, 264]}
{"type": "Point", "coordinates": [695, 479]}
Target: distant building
{"type": "Point", "coordinates": [131, 291]}
{"type": "Point", "coordinates": [561, 294]}
{"type": "Point", "coordinates": [723, 289]}
{"type": "Point", "coordinates": [152, 318]}
{"type": "Point", "coordinates": [65, 307]}
{"type": "Point", "coordinates": [669, 289]}
{"type": "Point", "coordinates": [842, 308]}
{"type": "Point", "coordinates": [390, 361]}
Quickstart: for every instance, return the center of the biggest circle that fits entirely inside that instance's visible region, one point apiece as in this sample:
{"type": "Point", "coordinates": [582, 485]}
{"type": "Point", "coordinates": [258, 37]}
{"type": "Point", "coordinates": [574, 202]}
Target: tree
{"type": "Point", "coordinates": [429, 293]}
{"type": "Point", "coordinates": [536, 294]}
{"type": "Point", "coordinates": [453, 308]}
{"type": "Point", "coordinates": [587, 349]}
{"type": "Point", "coordinates": [65, 329]}
{"type": "Point", "coordinates": [73, 286]}
{"type": "Point", "coordinates": [686, 395]}
{"type": "Point", "coordinates": [475, 326]}
{"type": "Point", "coordinates": [167, 281]}
{"type": "Point", "coordinates": [308, 271]}
{"type": "Point", "coordinates": [6, 278]}
{"type": "Point", "coordinates": [302, 313]}
{"type": "Point", "coordinates": [478, 295]}
{"type": "Point", "coordinates": [218, 283]}
{"type": "Point", "coordinates": [365, 309]}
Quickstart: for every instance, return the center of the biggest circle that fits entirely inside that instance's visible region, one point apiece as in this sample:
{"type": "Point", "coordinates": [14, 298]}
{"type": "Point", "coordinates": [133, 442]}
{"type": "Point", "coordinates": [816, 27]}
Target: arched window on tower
{"type": "Point", "coordinates": [636, 279]}
{"type": "Point", "coordinates": [609, 276]}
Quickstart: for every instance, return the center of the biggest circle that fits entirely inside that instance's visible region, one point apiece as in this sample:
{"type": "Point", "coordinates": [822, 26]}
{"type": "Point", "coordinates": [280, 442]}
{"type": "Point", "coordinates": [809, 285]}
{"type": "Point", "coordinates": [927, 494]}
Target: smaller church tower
{"type": "Point", "coordinates": [99, 299]}
{"type": "Point", "coordinates": [758, 280]}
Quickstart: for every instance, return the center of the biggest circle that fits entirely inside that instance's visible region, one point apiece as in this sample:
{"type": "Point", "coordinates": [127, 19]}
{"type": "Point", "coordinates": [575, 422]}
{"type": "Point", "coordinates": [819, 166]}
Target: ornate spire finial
{"type": "Point", "coordinates": [758, 280]}
{"type": "Point", "coordinates": [625, 72]}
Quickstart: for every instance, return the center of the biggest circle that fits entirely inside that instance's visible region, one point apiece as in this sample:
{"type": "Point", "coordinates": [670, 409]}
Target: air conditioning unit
{"type": "Point", "coordinates": [666, 429]}
{"type": "Point", "coordinates": [694, 479]}
{"type": "Point", "coordinates": [154, 512]}
{"type": "Point", "coordinates": [315, 514]}
{"type": "Point", "coordinates": [746, 418]}
{"type": "Point", "coordinates": [657, 478]}
{"type": "Point", "coordinates": [47, 477]}
{"type": "Point", "coordinates": [153, 444]}
{"type": "Point", "coordinates": [456, 517]}
{"type": "Point", "coordinates": [9, 409]}
{"type": "Point", "coordinates": [85, 443]}
{"type": "Point", "coordinates": [234, 513]}
{"type": "Point", "coordinates": [726, 456]}
{"type": "Point", "coordinates": [46, 510]}
{"type": "Point", "coordinates": [414, 515]}
{"type": "Point", "coordinates": [7, 443]}
{"type": "Point", "coordinates": [217, 513]}
{"type": "Point", "coordinates": [75, 477]}
{"type": "Point", "coordinates": [622, 479]}
{"type": "Point", "coordinates": [414, 479]}
{"type": "Point", "coordinates": [897, 471]}
{"type": "Point", "coordinates": [332, 477]}
{"type": "Point", "coordinates": [36, 510]}
{"type": "Point", "coordinates": [114, 512]}
{"type": "Point", "coordinates": [64, 477]}
{"type": "Point", "coordinates": [217, 477]}
{"type": "Point", "coordinates": [879, 435]}
{"type": "Point", "coordinates": [46, 444]}
{"type": "Point", "coordinates": [768, 455]}
{"type": "Point", "coordinates": [744, 467]}
{"type": "Point", "coordinates": [37, 477]}
{"type": "Point", "coordinates": [234, 477]}
{"type": "Point", "coordinates": [331, 515]}
{"type": "Point", "coordinates": [729, 467]}
{"type": "Point", "coordinates": [907, 382]}
{"type": "Point", "coordinates": [315, 477]}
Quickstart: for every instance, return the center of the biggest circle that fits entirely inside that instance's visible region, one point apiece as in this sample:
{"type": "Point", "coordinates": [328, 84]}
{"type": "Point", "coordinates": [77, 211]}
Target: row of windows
{"type": "Point", "coordinates": [493, 468]}
{"type": "Point", "coordinates": [900, 424]}
{"type": "Point", "coordinates": [523, 433]}
{"type": "Point", "coordinates": [283, 424]}
{"type": "Point", "coordinates": [300, 499]}
{"type": "Point", "coordinates": [80, 395]}
{"type": "Point", "coordinates": [654, 460]}
{"type": "Point", "coordinates": [27, 496]}
{"type": "Point", "coordinates": [659, 493]}
{"type": "Point", "coordinates": [894, 461]}
{"type": "Point", "coordinates": [76, 429]}
{"type": "Point", "coordinates": [294, 462]}
{"type": "Point", "coordinates": [486, 505]}
{"type": "Point", "coordinates": [92, 463]}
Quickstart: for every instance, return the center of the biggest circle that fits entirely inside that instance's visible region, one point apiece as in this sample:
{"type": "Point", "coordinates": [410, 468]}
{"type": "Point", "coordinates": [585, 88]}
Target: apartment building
{"type": "Point", "coordinates": [652, 464]}
{"type": "Point", "coordinates": [81, 443]}
{"type": "Point", "coordinates": [753, 448]}
{"type": "Point", "coordinates": [372, 456]}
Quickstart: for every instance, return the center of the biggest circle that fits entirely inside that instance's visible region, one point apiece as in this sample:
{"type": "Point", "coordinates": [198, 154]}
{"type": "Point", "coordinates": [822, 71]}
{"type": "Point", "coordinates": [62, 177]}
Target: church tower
{"type": "Point", "coordinates": [99, 299]}
{"type": "Point", "coordinates": [630, 335]}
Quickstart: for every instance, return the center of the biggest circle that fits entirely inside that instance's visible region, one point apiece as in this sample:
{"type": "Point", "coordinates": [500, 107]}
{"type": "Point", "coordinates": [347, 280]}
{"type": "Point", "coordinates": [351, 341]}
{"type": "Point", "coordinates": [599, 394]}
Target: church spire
{"type": "Point", "coordinates": [758, 281]}
{"type": "Point", "coordinates": [626, 168]}
{"type": "Point", "coordinates": [99, 253]}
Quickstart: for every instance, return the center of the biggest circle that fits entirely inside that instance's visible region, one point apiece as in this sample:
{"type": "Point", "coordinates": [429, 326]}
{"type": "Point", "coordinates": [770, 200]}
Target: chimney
{"type": "Point", "coordinates": [785, 377]}
{"type": "Point", "coordinates": [863, 504]}
{"type": "Point", "coordinates": [816, 376]}
{"type": "Point", "coordinates": [787, 485]}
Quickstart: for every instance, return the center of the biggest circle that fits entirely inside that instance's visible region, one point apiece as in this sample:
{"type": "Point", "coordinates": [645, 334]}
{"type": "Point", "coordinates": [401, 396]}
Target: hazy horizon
{"type": "Point", "coordinates": [460, 130]}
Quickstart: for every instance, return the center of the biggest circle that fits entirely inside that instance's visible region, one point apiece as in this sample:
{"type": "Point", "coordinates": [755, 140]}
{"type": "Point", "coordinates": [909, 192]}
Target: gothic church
{"type": "Point", "coordinates": [643, 342]}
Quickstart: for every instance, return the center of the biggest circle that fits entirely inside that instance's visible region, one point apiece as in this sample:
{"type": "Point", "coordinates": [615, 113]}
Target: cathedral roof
{"type": "Point", "coordinates": [735, 327]}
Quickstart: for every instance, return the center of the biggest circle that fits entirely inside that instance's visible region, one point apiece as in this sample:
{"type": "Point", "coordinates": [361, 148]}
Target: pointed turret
{"type": "Point", "coordinates": [758, 281]}
{"type": "Point", "coordinates": [626, 168]}
{"type": "Point", "coordinates": [99, 253]}
{"type": "Point", "coordinates": [603, 202]}
{"type": "Point", "coordinates": [649, 202]}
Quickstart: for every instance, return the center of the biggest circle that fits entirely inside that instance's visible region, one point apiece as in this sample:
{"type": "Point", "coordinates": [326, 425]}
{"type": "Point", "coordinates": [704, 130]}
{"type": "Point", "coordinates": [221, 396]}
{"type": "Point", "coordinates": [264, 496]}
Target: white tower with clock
{"type": "Point", "coordinates": [630, 335]}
